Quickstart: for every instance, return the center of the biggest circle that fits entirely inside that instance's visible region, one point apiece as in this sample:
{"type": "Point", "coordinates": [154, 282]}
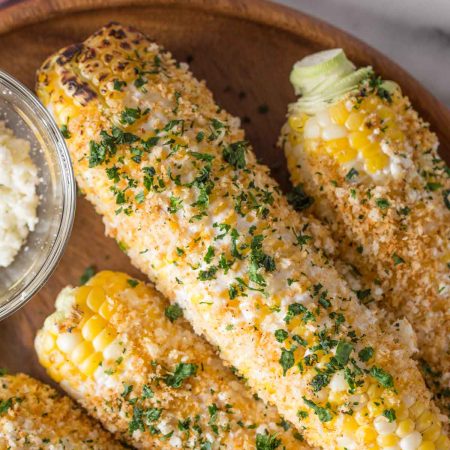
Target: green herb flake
{"type": "Point", "coordinates": [382, 203]}
{"type": "Point", "coordinates": [181, 373]}
{"type": "Point", "coordinates": [343, 351]}
{"type": "Point", "coordinates": [65, 131]}
{"type": "Point", "coordinates": [324, 414]}
{"type": "Point", "coordinates": [234, 154]}
{"type": "Point", "coordinates": [267, 441]}
{"type": "Point", "coordinates": [88, 273]}
{"type": "Point", "coordinates": [286, 360]}
{"type": "Point", "coordinates": [281, 335]}
{"type": "Point", "coordinates": [366, 353]}
{"type": "Point", "coordinates": [384, 378]}
{"type": "Point", "coordinates": [175, 204]}
{"type": "Point", "coordinates": [173, 312]}
{"type": "Point", "coordinates": [299, 199]}
{"type": "Point", "coordinates": [389, 414]}
{"type": "Point", "coordinates": [118, 85]}
{"type": "Point", "coordinates": [351, 174]}
{"type": "Point", "coordinates": [397, 259]}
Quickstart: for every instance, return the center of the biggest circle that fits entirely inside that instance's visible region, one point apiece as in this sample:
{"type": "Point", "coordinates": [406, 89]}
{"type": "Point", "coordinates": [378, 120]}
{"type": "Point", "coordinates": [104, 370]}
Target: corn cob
{"type": "Point", "coordinates": [372, 166]}
{"type": "Point", "coordinates": [155, 384]}
{"type": "Point", "coordinates": [34, 416]}
{"type": "Point", "coordinates": [180, 190]}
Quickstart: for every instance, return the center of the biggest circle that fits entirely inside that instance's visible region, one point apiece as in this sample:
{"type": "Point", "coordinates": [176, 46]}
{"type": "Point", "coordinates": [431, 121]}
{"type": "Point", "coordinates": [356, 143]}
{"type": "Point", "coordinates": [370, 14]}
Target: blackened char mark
{"type": "Point", "coordinates": [77, 88]}
{"type": "Point", "coordinates": [69, 53]}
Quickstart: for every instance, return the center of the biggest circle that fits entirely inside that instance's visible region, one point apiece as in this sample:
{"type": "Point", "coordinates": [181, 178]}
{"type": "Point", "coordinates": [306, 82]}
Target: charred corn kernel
{"type": "Point", "coordinates": [339, 113]}
{"type": "Point", "coordinates": [397, 158]}
{"type": "Point", "coordinates": [234, 250]}
{"type": "Point", "coordinates": [366, 434]}
{"type": "Point", "coordinates": [131, 366]}
{"type": "Point", "coordinates": [427, 445]}
{"type": "Point", "coordinates": [405, 427]}
{"type": "Point", "coordinates": [34, 415]}
{"type": "Point", "coordinates": [387, 440]}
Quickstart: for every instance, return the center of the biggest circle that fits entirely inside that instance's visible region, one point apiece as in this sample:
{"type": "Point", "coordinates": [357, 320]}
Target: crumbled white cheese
{"type": "Point", "coordinates": [18, 198]}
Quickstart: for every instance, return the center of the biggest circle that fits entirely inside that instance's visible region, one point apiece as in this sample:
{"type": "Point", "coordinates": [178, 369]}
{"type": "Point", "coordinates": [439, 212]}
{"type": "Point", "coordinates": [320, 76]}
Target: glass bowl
{"type": "Point", "coordinates": [40, 253]}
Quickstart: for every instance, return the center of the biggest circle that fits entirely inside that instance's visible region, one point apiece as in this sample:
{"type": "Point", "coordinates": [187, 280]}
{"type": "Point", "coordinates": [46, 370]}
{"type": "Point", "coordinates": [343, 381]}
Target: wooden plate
{"type": "Point", "coordinates": [244, 49]}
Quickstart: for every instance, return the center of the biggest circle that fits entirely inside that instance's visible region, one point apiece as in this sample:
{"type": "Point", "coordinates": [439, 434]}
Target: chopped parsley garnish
{"type": "Point", "coordinates": [431, 186]}
{"type": "Point", "coordinates": [208, 274]}
{"type": "Point", "coordinates": [446, 195]}
{"type": "Point", "coordinates": [343, 351]}
{"type": "Point", "coordinates": [294, 309]}
{"type": "Point", "coordinates": [65, 131]}
{"type": "Point", "coordinates": [88, 273]}
{"type": "Point", "coordinates": [5, 405]}
{"type": "Point", "coordinates": [173, 312]}
{"type": "Point", "coordinates": [299, 199]}
{"type": "Point", "coordinates": [113, 174]}
{"type": "Point", "coordinates": [281, 335]}
{"type": "Point", "coordinates": [286, 360]}
{"type": "Point", "coordinates": [397, 259]}
{"type": "Point", "coordinates": [200, 136]}
{"type": "Point", "coordinates": [384, 378]}
{"type": "Point", "coordinates": [175, 204]}
{"type": "Point", "coordinates": [351, 174]}
{"type": "Point", "coordinates": [147, 392]}
{"type": "Point", "coordinates": [181, 373]}
{"type": "Point", "coordinates": [324, 414]}
{"type": "Point", "coordinates": [267, 441]}
{"type": "Point", "coordinates": [130, 115]}
{"type": "Point", "coordinates": [209, 254]}
{"type": "Point", "coordinates": [382, 203]}
{"type": "Point", "coordinates": [234, 154]}
{"type": "Point", "coordinates": [118, 85]}
{"type": "Point", "coordinates": [132, 282]}
{"type": "Point", "coordinates": [259, 260]}
{"type": "Point", "coordinates": [366, 353]}
{"type": "Point", "coordinates": [389, 414]}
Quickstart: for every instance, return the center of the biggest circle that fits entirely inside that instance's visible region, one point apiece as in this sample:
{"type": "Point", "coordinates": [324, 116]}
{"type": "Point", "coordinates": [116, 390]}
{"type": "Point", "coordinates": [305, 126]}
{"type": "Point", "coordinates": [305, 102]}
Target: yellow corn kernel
{"type": "Point", "coordinates": [405, 427]}
{"type": "Point", "coordinates": [295, 139]}
{"type": "Point", "coordinates": [81, 295]}
{"type": "Point", "coordinates": [54, 374]}
{"type": "Point", "coordinates": [81, 352]}
{"type": "Point", "coordinates": [427, 445]}
{"type": "Point", "coordinates": [355, 121]}
{"type": "Point", "coordinates": [386, 114]}
{"type": "Point", "coordinates": [349, 425]}
{"type": "Point", "coordinates": [359, 139]}
{"type": "Point", "coordinates": [297, 122]}
{"type": "Point", "coordinates": [377, 162]}
{"type": "Point", "coordinates": [104, 338]}
{"type": "Point", "coordinates": [375, 407]}
{"type": "Point", "coordinates": [394, 134]}
{"type": "Point", "coordinates": [338, 113]}
{"type": "Point", "coordinates": [374, 391]}
{"type": "Point", "coordinates": [387, 440]}
{"type": "Point", "coordinates": [432, 433]}
{"type": "Point", "coordinates": [402, 412]}
{"type": "Point", "coordinates": [371, 150]}
{"type": "Point", "coordinates": [47, 342]}
{"type": "Point", "coordinates": [335, 145]}
{"type": "Point", "coordinates": [424, 421]}
{"type": "Point", "coordinates": [93, 327]}
{"type": "Point", "coordinates": [362, 416]}
{"type": "Point", "coordinates": [95, 298]}
{"type": "Point", "coordinates": [107, 309]}
{"type": "Point", "coordinates": [370, 103]}
{"type": "Point", "coordinates": [66, 370]}
{"type": "Point", "coordinates": [417, 409]}
{"type": "Point", "coordinates": [443, 443]}
{"type": "Point", "coordinates": [90, 364]}
{"type": "Point", "coordinates": [366, 434]}
{"type": "Point", "coordinates": [346, 155]}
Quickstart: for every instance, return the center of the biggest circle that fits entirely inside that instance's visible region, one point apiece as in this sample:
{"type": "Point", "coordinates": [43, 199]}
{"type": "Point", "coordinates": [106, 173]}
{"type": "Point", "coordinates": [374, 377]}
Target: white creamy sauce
{"type": "Point", "coordinates": [18, 198]}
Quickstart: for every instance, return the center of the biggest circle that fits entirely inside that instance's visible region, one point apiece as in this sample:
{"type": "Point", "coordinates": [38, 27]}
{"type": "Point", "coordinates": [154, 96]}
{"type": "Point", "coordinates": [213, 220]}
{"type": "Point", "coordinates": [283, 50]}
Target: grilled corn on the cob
{"type": "Point", "coordinates": [179, 188]}
{"type": "Point", "coordinates": [373, 168]}
{"type": "Point", "coordinates": [34, 416]}
{"type": "Point", "coordinates": [153, 383]}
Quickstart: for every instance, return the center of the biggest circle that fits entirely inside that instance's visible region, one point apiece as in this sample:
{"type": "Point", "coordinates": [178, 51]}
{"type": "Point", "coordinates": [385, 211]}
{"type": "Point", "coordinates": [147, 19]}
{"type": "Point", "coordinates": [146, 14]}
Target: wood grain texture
{"type": "Point", "coordinates": [244, 49]}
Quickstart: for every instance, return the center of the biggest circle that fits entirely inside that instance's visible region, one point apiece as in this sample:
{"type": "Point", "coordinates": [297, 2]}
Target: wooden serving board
{"type": "Point", "coordinates": [244, 49]}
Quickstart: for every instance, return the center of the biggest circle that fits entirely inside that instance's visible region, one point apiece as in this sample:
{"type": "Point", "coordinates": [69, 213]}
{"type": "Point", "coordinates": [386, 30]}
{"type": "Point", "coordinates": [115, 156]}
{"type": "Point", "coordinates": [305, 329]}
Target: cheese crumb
{"type": "Point", "coordinates": [18, 198]}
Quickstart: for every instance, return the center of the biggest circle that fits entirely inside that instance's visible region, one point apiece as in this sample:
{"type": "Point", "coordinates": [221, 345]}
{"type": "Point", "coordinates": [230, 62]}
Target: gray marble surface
{"type": "Point", "coordinates": [414, 33]}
